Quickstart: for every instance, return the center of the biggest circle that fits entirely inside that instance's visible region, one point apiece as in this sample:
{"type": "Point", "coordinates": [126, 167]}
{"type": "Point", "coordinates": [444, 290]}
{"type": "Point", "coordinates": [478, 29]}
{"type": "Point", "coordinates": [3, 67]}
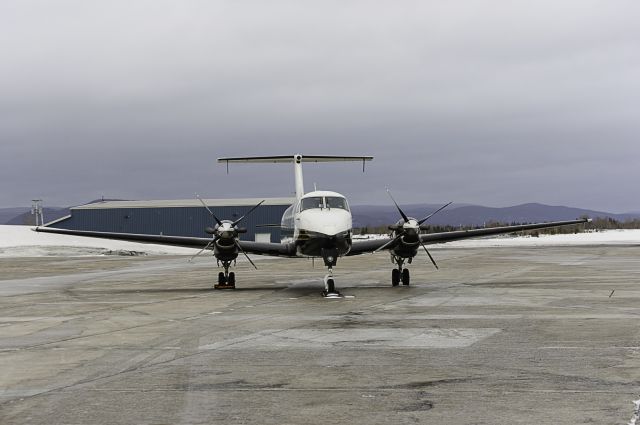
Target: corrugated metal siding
{"type": "Point", "coordinates": [184, 203]}
{"type": "Point", "coordinates": [174, 221]}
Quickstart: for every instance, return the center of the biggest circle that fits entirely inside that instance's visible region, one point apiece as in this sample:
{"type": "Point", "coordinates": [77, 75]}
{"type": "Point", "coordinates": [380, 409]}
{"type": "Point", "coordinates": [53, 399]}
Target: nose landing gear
{"type": "Point", "coordinates": [330, 257]}
{"type": "Point", "coordinates": [330, 286]}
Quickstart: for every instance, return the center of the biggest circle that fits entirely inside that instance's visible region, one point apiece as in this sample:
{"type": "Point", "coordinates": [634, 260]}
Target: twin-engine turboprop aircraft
{"type": "Point", "coordinates": [318, 224]}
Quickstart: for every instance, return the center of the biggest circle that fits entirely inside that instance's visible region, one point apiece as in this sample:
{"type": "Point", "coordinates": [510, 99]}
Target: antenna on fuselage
{"type": "Point", "coordinates": [297, 160]}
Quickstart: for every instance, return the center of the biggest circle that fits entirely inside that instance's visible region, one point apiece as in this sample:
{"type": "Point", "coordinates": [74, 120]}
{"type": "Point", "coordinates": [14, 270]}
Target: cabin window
{"type": "Point", "coordinates": [311, 203]}
{"type": "Point", "coordinates": [337, 202]}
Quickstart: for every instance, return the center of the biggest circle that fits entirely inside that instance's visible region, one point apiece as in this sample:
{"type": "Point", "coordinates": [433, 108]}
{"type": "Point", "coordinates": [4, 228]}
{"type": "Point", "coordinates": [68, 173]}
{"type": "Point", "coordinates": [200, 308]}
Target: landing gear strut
{"type": "Point", "coordinates": [400, 274]}
{"type": "Point", "coordinates": [330, 257]}
{"type": "Point", "coordinates": [226, 279]}
{"type": "Point", "coordinates": [330, 286]}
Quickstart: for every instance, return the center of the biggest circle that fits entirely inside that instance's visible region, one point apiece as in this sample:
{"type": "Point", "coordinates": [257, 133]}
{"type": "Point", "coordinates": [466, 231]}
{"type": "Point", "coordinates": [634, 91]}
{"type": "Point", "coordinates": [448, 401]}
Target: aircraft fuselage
{"type": "Point", "coordinates": [319, 224]}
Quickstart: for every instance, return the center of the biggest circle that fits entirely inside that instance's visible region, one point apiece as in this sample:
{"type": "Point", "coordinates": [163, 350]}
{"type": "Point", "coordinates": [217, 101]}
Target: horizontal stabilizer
{"type": "Point", "coordinates": [296, 158]}
{"type": "Point", "coordinates": [297, 161]}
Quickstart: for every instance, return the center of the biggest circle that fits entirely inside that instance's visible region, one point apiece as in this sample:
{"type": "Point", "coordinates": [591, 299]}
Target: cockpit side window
{"type": "Point", "coordinates": [313, 202]}
{"type": "Point", "coordinates": [337, 202]}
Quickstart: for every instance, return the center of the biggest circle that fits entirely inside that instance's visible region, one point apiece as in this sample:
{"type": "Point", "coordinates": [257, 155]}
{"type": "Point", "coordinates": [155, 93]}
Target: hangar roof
{"type": "Point", "coordinates": [177, 203]}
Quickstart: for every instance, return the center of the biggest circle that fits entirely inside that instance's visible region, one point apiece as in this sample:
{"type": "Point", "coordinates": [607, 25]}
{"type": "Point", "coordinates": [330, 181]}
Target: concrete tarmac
{"type": "Point", "coordinates": [545, 335]}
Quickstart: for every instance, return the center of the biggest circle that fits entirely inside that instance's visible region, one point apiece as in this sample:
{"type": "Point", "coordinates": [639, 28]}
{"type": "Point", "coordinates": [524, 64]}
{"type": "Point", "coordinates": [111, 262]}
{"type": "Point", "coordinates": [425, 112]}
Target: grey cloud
{"type": "Point", "coordinates": [481, 101]}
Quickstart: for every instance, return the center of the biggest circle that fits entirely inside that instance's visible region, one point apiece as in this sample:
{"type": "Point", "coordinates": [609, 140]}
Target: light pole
{"type": "Point", "coordinates": [36, 209]}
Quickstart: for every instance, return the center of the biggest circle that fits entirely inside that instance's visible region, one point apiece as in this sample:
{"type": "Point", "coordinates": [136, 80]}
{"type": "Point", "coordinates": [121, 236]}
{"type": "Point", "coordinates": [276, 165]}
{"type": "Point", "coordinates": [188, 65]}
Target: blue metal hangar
{"type": "Point", "coordinates": [184, 217]}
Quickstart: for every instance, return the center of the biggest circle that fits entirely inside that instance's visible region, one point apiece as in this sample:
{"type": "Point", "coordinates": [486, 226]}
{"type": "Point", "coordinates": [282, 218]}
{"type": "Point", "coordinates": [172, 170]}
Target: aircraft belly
{"type": "Point", "coordinates": [312, 245]}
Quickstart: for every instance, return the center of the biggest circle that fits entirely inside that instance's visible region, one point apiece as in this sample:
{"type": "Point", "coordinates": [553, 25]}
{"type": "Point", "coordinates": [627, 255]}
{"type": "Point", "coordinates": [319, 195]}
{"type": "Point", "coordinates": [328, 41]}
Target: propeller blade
{"type": "Point", "coordinates": [434, 213]}
{"type": "Point", "coordinates": [430, 257]}
{"type": "Point", "coordinates": [210, 212]}
{"type": "Point", "coordinates": [391, 242]}
{"type": "Point", "coordinates": [404, 216]}
{"type": "Point", "coordinates": [235, 241]}
{"type": "Point", "coordinates": [248, 212]}
{"type": "Point", "coordinates": [202, 250]}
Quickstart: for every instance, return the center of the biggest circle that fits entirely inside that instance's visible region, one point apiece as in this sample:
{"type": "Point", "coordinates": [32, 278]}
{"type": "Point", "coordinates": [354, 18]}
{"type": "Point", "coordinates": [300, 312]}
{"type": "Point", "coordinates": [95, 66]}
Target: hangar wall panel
{"type": "Point", "coordinates": [174, 221]}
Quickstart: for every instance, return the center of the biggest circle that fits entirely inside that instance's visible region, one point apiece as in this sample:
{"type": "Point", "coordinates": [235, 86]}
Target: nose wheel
{"type": "Point", "coordinates": [330, 287]}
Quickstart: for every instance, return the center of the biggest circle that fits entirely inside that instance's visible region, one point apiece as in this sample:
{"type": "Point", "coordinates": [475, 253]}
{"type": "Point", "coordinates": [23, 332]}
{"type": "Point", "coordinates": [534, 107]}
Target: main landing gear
{"type": "Point", "coordinates": [400, 274]}
{"type": "Point", "coordinates": [226, 279]}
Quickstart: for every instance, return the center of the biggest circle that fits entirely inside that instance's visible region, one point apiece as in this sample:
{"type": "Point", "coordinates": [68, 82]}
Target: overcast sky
{"type": "Point", "coordinates": [488, 102]}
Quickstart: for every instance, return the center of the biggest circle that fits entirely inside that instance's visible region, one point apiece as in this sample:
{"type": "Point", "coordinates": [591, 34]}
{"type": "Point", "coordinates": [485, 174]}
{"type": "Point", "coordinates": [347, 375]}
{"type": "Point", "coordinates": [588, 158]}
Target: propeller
{"type": "Point", "coordinates": [410, 226]}
{"type": "Point", "coordinates": [226, 230]}
{"type": "Point", "coordinates": [248, 212]}
{"type": "Point", "coordinates": [432, 214]}
{"type": "Point", "coordinates": [202, 250]}
{"type": "Point", "coordinates": [210, 212]}
{"type": "Point", "coordinates": [245, 254]}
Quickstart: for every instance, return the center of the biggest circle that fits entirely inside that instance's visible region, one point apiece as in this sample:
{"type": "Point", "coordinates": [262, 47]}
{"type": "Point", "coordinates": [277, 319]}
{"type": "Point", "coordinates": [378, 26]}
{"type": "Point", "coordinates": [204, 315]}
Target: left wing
{"type": "Point", "coordinates": [362, 247]}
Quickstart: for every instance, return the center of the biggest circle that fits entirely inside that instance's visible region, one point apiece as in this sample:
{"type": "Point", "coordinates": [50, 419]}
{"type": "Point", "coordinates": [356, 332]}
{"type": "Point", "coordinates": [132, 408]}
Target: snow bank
{"type": "Point", "coordinates": [608, 237]}
{"type": "Point", "coordinates": [21, 241]}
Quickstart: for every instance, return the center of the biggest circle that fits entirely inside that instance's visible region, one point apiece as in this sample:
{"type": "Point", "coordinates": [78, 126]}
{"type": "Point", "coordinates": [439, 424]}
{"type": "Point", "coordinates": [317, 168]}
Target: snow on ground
{"type": "Point", "coordinates": [608, 237]}
{"type": "Point", "coordinates": [21, 241]}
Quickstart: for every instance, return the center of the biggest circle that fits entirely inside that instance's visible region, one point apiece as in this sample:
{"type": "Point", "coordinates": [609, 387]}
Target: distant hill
{"type": "Point", "coordinates": [383, 215]}
{"type": "Point", "coordinates": [475, 215]}
{"type": "Point", "coordinates": [25, 218]}
{"type": "Point", "coordinates": [22, 215]}
{"type": "Point", "coordinates": [6, 214]}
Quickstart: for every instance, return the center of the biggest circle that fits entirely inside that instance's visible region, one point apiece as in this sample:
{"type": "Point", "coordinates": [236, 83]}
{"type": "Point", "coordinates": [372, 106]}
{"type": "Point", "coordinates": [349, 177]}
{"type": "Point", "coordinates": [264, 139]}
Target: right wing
{"type": "Point", "coordinates": [184, 241]}
{"type": "Point", "coordinates": [269, 248]}
{"type": "Point", "coordinates": [259, 248]}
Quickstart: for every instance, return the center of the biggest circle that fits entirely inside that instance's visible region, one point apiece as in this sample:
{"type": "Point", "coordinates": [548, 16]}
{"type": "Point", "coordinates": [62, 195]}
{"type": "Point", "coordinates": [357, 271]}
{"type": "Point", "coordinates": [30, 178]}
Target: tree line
{"type": "Point", "coordinates": [598, 224]}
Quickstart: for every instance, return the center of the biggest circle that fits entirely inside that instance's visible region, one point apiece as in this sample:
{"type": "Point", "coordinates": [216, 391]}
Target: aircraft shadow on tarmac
{"type": "Point", "coordinates": [296, 290]}
{"type": "Point", "coordinates": [191, 290]}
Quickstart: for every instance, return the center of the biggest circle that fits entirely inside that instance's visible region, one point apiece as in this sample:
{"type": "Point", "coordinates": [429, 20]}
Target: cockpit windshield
{"type": "Point", "coordinates": [336, 202]}
{"type": "Point", "coordinates": [324, 202]}
{"type": "Point", "coordinates": [313, 202]}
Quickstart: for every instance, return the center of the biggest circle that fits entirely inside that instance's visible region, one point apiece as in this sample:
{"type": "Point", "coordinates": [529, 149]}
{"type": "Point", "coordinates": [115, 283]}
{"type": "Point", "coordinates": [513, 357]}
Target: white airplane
{"type": "Point", "coordinates": [317, 224]}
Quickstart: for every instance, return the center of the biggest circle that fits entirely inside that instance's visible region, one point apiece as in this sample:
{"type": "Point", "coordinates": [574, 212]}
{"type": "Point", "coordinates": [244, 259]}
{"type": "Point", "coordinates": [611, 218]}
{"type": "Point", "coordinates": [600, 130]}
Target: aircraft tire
{"type": "Point", "coordinates": [232, 279]}
{"type": "Point", "coordinates": [405, 277]}
{"type": "Point", "coordinates": [331, 286]}
{"type": "Point", "coordinates": [221, 279]}
{"type": "Point", "coordinates": [395, 277]}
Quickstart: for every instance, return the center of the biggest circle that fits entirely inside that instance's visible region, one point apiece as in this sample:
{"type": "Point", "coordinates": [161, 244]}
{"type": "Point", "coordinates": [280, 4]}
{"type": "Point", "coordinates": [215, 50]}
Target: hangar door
{"type": "Point", "coordinates": [263, 237]}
